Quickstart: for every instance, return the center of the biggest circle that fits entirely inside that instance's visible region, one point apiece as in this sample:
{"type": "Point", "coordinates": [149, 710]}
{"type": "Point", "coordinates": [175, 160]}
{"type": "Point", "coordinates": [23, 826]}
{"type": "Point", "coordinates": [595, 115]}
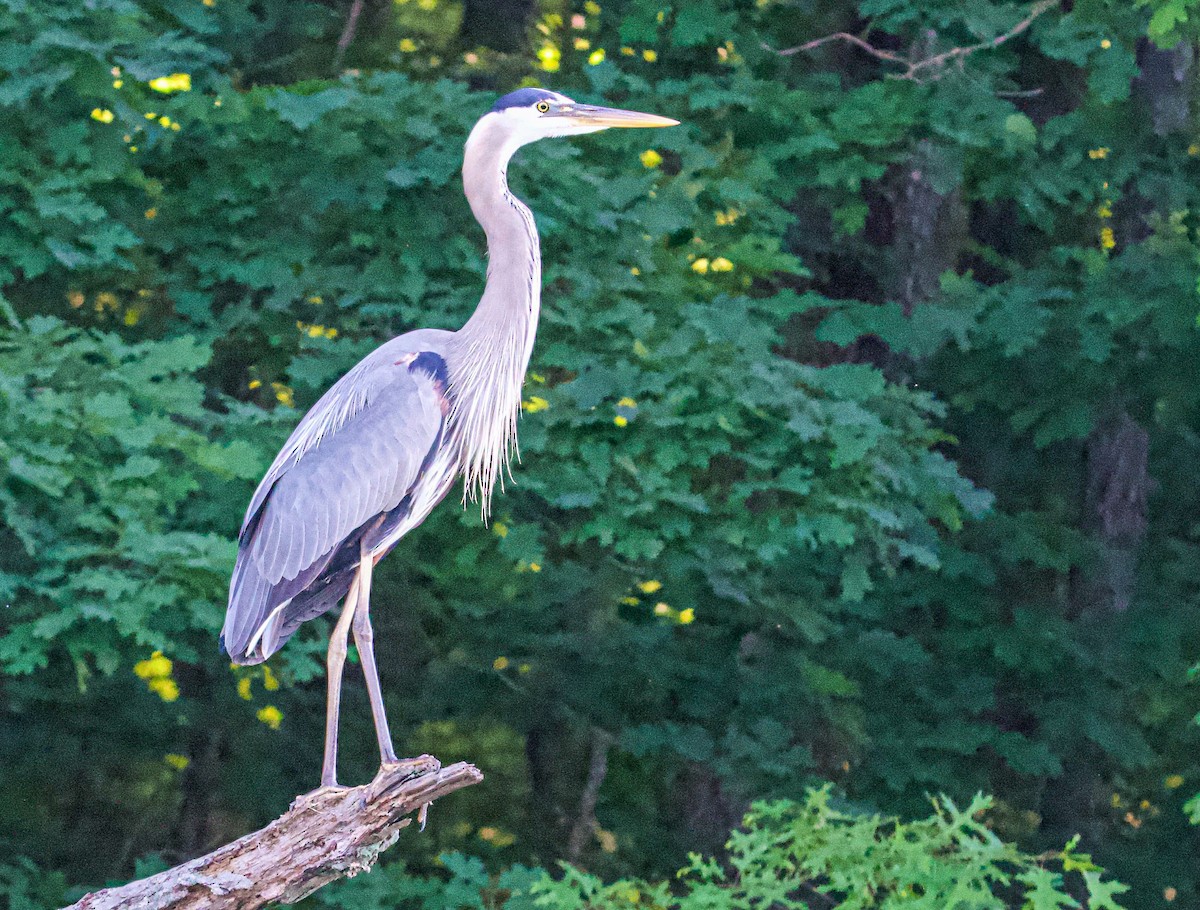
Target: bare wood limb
{"type": "Point", "coordinates": [324, 836]}
{"type": "Point", "coordinates": [585, 822]}
{"type": "Point", "coordinates": [347, 37]}
{"type": "Point", "coordinates": [914, 68]}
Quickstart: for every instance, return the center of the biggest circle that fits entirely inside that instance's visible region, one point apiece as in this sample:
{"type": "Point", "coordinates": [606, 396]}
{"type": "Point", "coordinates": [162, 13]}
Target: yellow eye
{"type": "Point", "coordinates": [542, 106]}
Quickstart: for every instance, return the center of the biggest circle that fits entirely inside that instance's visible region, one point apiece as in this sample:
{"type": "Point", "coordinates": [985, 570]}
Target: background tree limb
{"type": "Point", "coordinates": [916, 67]}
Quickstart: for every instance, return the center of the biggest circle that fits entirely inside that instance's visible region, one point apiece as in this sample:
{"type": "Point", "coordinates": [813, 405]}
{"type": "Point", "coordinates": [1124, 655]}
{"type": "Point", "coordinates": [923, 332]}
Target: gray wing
{"type": "Point", "coordinates": [354, 457]}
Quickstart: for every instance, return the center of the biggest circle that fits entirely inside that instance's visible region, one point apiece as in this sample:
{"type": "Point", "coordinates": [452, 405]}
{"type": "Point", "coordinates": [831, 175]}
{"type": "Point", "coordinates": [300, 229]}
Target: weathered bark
{"type": "Point", "coordinates": [323, 836]}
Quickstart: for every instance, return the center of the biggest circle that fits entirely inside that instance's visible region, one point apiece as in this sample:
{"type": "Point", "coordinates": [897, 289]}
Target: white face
{"type": "Point", "coordinates": [545, 119]}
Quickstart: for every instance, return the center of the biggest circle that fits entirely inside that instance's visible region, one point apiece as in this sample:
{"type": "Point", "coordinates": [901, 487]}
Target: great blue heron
{"type": "Point", "coordinates": [382, 447]}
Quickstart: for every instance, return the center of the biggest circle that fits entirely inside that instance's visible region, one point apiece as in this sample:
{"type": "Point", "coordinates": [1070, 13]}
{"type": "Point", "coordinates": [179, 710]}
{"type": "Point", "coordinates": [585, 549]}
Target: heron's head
{"type": "Point", "coordinates": [529, 114]}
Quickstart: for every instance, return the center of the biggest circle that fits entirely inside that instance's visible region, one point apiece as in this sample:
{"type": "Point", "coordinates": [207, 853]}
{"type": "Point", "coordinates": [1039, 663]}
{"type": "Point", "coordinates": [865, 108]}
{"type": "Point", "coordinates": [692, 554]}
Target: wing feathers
{"type": "Point", "coordinates": [355, 456]}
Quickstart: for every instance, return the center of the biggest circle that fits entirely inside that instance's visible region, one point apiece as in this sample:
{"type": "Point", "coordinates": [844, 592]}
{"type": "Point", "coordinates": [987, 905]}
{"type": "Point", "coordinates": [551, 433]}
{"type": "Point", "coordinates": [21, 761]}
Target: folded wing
{"type": "Point", "coordinates": [354, 458]}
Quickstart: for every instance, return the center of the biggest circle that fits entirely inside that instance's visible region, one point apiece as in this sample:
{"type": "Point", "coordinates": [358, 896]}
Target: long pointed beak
{"type": "Point", "coordinates": [614, 117]}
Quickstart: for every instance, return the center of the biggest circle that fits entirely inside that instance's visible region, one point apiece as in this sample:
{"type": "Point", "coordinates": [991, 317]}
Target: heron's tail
{"type": "Point", "coordinates": [250, 609]}
{"type": "Point", "coordinates": [261, 616]}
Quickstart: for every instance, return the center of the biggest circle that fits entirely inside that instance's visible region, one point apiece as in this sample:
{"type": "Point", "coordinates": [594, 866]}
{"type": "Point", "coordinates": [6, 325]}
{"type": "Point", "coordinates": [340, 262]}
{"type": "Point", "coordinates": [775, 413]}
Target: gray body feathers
{"type": "Point", "coordinates": [353, 468]}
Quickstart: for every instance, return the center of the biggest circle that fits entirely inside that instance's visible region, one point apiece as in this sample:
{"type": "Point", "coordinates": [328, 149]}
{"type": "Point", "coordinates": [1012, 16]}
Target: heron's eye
{"type": "Point", "coordinates": [542, 106]}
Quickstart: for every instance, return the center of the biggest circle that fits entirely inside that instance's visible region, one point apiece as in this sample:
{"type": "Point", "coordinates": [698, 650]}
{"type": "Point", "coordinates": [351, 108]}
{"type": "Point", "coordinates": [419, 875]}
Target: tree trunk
{"type": "Point", "coordinates": [1114, 512]}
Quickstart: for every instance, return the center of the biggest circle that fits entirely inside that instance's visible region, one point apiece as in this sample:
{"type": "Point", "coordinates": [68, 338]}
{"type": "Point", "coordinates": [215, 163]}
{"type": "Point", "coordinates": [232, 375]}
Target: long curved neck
{"type": "Point", "coordinates": [512, 296]}
{"type": "Point", "coordinates": [491, 351]}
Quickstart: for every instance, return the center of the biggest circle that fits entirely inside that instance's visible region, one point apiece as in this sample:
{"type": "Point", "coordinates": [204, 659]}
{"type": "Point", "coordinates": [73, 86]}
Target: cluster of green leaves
{"type": "Point", "coordinates": [103, 441]}
{"type": "Point", "coordinates": [745, 549]}
{"type": "Point", "coordinates": [791, 855]}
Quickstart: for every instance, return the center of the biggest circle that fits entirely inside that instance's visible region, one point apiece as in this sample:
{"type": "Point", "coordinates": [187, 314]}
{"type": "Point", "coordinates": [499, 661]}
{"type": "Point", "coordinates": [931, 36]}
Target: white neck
{"type": "Point", "coordinates": [491, 352]}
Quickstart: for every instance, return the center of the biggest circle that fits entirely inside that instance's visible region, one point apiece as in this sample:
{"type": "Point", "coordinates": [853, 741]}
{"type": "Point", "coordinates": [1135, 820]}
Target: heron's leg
{"type": "Point", "coordinates": [334, 663]}
{"type": "Point", "coordinates": [364, 641]}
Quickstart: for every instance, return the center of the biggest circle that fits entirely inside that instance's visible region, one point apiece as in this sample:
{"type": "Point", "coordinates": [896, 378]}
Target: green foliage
{"type": "Point", "coordinates": [786, 855]}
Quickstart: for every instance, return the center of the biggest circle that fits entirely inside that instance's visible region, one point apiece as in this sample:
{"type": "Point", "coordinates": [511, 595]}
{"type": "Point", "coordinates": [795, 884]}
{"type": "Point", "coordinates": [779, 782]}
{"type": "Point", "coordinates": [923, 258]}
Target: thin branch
{"type": "Point", "coordinates": [914, 68]}
{"type": "Point", "coordinates": [843, 36]}
{"type": "Point", "coordinates": [324, 836]}
{"type": "Point", "coordinates": [585, 822]}
{"type": "Point", "coordinates": [347, 37]}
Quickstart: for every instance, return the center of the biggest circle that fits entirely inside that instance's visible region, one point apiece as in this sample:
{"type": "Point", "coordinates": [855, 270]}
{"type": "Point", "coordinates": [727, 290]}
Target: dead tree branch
{"type": "Point", "coordinates": [348, 33]}
{"type": "Point", "coordinates": [585, 823]}
{"type": "Point", "coordinates": [324, 836]}
{"type": "Point", "coordinates": [930, 66]}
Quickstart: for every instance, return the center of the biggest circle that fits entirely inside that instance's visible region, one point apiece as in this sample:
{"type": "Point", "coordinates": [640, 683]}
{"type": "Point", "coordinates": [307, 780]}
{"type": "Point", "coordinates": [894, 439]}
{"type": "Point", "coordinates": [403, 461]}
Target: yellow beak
{"type": "Point", "coordinates": [615, 117]}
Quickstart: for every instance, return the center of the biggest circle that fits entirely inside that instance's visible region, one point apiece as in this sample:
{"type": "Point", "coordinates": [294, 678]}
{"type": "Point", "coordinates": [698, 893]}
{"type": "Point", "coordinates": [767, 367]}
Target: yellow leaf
{"type": "Point", "coordinates": [649, 587]}
{"type": "Point", "coordinates": [271, 716]}
{"type": "Point", "coordinates": [500, 663]}
{"type": "Point", "coordinates": [243, 688]}
{"type": "Point", "coordinates": [165, 688]}
{"type": "Point", "coordinates": [155, 666]}
{"type": "Point", "coordinates": [548, 58]}
{"type": "Point", "coordinates": [651, 158]}
{"type": "Point", "coordinates": [687, 616]}
{"type": "Point", "coordinates": [177, 761]}
{"type": "Point", "coordinates": [176, 82]}
{"type": "Point", "coordinates": [596, 57]}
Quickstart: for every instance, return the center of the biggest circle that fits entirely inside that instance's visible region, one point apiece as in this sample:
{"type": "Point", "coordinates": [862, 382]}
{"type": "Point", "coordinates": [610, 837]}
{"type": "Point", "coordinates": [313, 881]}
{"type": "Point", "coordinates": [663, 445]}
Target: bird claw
{"type": "Point", "coordinates": [385, 777]}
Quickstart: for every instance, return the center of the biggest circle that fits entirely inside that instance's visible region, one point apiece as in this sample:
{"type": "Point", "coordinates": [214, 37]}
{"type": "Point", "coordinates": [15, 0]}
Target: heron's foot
{"type": "Point", "coordinates": [316, 797]}
{"type": "Point", "coordinates": [394, 771]}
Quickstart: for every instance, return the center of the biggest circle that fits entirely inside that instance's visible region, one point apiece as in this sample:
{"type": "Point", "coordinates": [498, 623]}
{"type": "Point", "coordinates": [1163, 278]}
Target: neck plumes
{"type": "Point", "coordinates": [491, 352]}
